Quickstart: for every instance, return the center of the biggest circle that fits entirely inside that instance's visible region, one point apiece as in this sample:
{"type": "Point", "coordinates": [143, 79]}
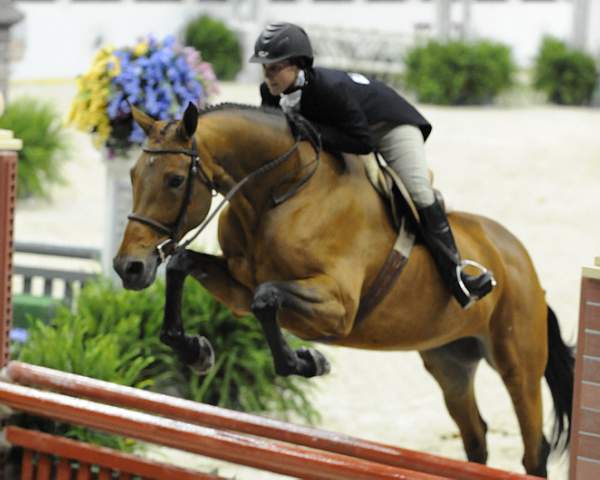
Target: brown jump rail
{"type": "Point", "coordinates": [255, 452]}
{"type": "Point", "coordinates": [48, 447]}
{"type": "Point", "coordinates": [207, 415]}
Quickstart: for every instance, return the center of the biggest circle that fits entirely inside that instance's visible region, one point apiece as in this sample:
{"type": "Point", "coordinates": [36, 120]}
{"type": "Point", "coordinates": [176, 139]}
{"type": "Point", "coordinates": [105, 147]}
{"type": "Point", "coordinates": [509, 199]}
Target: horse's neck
{"type": "Point", "coordinates": [240, 146]}
{"type": "Point", "coordinates": [240, 143]}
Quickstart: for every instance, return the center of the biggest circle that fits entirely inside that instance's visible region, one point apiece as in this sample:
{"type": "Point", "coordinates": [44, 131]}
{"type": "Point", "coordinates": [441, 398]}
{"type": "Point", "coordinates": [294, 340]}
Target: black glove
{"type": "Point", "coordinates": [302, 129]}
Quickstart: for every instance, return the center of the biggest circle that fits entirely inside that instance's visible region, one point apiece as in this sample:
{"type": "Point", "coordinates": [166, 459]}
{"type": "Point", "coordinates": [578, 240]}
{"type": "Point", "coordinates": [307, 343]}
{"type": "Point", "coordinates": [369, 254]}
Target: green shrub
{"type": "Point", "coordinates": [566, 75]}
{"type": "Point", "coordinates": [72, 344]}
{"type": "Point", "coordinates": [114, 335]}
{"type": "Point", "coordinates": [44, 145]}
{"type": "Point", "coordinates": [459, 73]}
{"type": "Point", "coordinates": [217, 44]}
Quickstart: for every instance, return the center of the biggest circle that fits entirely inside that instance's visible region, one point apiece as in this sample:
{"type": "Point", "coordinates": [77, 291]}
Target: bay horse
{"type": "Point", "coordinates": [303, 264]}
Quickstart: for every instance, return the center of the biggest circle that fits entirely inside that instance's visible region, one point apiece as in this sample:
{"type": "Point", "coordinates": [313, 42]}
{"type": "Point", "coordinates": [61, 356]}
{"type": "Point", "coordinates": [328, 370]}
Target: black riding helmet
{"type": "Point", "coordinates": [281, 41]}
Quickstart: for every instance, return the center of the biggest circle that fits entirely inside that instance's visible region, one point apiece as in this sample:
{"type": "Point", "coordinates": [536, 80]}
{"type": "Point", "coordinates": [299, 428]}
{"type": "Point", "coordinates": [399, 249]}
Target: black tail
{"type": "Point", "coordinates": [560, 377]}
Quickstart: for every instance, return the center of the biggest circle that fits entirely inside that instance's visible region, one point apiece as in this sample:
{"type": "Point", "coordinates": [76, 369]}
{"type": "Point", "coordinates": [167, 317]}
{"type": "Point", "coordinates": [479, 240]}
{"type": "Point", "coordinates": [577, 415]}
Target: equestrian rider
{"type": "Point", "coordinates": [356, 115]}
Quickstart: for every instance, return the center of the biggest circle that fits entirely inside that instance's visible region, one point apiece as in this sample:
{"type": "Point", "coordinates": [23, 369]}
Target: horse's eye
{"type": "Point", "coordinates": [174, 181]}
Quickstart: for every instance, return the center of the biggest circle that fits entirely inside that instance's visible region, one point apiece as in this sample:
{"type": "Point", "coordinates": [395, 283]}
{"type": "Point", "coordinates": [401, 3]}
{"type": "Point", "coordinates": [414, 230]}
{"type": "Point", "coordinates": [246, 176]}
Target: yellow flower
{"type": "Point", "coordinates": [88, 110]}
{"type": "Point", "coordinates": [141, 48]}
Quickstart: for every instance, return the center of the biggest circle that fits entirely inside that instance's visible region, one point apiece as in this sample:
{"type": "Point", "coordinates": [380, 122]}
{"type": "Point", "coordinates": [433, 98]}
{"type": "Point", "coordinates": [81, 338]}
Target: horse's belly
{"type": "Point", "coordinates": [406, 320]}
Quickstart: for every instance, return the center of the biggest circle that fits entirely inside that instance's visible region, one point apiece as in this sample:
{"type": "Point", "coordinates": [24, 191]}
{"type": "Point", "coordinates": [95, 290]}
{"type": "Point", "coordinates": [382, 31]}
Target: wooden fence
{"type": "Point", "coordinates": [585, 443]}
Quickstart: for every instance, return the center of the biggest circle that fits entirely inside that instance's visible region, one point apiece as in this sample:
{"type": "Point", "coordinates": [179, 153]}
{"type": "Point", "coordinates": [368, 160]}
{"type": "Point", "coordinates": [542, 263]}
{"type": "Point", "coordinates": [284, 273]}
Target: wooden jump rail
{"type": "Point", "coordinates": [48, 457]}
{"type": "Point", "coordinates": [209, 416]}
{"type": "Point", "coordinates": [252, 451]}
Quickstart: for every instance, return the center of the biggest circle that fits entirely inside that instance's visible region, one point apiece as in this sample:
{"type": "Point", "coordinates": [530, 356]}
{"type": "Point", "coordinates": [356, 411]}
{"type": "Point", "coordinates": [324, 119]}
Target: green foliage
{"type": "Point", "coordinates": [459, 73]}
{"type": "Point", "coordinates": [72, 344]}
{"type": "Point", "coordinates": [44, 145]}
{"type": "Point", "coordinates": [114, 335]}
{"type": "Point", "coordinates": [567, 76]}
{"type": "Point", "coordinates": [217, 44]}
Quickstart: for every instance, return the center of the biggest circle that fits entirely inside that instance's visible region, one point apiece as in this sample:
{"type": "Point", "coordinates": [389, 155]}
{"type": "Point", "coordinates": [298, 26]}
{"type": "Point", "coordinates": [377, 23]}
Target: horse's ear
{"type": "Point", "coordinates": [143, 120]}
{"type": "Point", "coordinates": [189, 122]}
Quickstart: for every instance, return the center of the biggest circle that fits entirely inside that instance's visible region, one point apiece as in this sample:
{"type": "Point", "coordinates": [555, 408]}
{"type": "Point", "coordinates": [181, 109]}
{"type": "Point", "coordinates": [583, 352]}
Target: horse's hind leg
{"type": "Point", "coordinates": [454, 366]}
{"type": "Point", "coordinates": [521, 370]}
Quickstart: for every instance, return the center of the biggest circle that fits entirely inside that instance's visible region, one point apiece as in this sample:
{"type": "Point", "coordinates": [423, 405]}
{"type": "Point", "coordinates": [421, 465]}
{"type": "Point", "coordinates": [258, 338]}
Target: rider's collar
{"type": "Point", "coordinates": [298, 83]}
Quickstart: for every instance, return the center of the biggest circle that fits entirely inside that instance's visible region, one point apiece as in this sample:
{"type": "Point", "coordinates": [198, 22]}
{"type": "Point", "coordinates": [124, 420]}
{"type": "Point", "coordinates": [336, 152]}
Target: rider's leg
{"type": "Point", "coordinates": [403, 149]}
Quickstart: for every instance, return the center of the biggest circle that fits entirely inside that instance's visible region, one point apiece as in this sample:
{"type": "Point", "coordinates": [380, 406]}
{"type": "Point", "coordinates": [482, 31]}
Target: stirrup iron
{"type": "Point", "coordinates": [482, 271]}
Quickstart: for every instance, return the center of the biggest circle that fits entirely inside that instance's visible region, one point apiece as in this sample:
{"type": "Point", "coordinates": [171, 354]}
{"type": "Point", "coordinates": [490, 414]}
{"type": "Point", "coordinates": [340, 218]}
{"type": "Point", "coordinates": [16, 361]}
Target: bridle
{"type": "Point", "coordinates": [170, 246]}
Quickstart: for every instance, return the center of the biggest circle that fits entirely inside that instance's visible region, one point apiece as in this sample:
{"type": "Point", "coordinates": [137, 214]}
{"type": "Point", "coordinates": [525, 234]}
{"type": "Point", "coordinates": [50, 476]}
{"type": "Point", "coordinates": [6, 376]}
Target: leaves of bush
{"type": "Point", "coordinates": [567, 76]}
{"type": "Point", "coordinates": [459, 73]}
{"type": "Point", "coordinates": [45, 145]}
{"type": "Point", "coordinates": [217, 44]}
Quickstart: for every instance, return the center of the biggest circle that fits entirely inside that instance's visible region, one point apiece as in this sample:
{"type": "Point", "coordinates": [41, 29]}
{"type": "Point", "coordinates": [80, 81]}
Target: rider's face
{"type": "Point", "coordinates": [279, 76]}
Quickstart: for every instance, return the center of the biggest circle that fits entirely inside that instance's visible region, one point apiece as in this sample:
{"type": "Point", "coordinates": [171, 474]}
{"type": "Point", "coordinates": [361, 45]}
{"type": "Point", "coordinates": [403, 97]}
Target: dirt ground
{"type": "Point", "coordinates": [533, 168]}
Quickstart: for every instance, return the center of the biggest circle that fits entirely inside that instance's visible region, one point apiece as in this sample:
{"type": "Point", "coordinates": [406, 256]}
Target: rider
{"type": "Point", "coordinates": [356, 115]}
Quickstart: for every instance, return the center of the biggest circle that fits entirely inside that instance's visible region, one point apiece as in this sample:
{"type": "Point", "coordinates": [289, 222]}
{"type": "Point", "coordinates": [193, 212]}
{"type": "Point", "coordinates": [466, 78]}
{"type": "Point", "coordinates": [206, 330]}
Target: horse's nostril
{"type": "Point", "coordinates": [134, 268]}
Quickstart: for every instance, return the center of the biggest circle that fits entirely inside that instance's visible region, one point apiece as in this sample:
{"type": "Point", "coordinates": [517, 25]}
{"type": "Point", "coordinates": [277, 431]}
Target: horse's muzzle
{"type": "Point", "coordinates": [135, 272]}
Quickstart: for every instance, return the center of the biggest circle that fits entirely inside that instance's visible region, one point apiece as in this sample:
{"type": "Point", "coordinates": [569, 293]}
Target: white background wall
{"type": "Point", "coordinates": [59, 37]}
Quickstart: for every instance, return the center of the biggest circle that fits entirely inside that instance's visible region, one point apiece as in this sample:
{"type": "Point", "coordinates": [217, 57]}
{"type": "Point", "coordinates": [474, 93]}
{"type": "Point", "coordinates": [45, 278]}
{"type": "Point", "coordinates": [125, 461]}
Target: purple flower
{"type": "Point", "coordinates": [162, 82]}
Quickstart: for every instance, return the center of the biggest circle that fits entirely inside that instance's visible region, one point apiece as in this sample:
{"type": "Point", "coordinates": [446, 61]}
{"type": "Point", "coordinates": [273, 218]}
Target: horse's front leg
{"type": "Point", "coordinates": [323, 315]}
{"type": "Point", "coordinates": [193, 350]}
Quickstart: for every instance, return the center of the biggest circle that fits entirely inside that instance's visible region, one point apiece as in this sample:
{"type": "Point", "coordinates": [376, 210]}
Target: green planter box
{"type": "Point", "coordinates": [25, 306]}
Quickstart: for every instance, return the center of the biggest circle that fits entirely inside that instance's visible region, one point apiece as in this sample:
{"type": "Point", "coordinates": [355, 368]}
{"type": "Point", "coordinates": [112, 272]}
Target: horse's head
{"type": "Point", "coordinates": [171, 195]}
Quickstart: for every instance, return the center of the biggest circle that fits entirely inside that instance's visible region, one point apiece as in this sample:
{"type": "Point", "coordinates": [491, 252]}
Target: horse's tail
{"type": "Point", "coordinates": [560, 377]}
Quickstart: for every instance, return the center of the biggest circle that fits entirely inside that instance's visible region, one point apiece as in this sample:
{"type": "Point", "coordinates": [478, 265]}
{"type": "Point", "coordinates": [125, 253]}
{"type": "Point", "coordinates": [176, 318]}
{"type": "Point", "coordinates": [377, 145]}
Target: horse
{"type": "Point", "coordinates": [303, 237]}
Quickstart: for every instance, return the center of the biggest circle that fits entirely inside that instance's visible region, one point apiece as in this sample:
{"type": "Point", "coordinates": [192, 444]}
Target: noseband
{"type": "Point", "coordinates": [170, 246]}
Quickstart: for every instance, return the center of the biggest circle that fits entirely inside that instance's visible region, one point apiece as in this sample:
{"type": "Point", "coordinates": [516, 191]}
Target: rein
{"type": "Point", "coordinates": [170, 246]}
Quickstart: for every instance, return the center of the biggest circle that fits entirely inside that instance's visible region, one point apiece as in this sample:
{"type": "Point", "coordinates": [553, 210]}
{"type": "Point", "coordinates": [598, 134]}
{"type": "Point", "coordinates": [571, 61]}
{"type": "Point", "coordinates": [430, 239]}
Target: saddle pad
{"type": "Point", "coordinates": [384, 179]}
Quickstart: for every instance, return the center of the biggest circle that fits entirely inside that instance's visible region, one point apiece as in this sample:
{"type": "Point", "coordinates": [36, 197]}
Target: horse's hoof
{"type": "Point", "coordinates": [206, 355]}
{"type": "Point", "coordinates": [317, 359]}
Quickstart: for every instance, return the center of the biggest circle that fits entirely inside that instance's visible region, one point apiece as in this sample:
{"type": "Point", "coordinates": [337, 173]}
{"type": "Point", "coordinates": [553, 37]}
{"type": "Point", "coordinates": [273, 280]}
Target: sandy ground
{"type": "Point", "coordinates": [534, 168]}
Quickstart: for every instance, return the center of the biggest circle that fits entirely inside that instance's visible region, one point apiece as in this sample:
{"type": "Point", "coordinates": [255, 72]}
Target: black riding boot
{"type": "Point", "coordinates": [467, 289]}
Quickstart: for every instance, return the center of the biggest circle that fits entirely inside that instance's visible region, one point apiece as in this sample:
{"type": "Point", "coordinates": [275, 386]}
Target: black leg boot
{"type": "Point", "coordinates": [467, 289]}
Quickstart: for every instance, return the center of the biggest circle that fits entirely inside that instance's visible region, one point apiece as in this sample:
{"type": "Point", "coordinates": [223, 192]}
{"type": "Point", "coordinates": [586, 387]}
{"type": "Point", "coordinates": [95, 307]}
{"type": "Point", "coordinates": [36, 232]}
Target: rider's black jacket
{"type": "Point", "coordinates": [342, 106]}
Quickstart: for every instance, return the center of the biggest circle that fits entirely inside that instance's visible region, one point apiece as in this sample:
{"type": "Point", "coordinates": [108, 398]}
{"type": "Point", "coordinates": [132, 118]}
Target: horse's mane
{"type": "Point", "coordinates": [270, 115]}
{"type": "Point", "coordinates": [240, 106]}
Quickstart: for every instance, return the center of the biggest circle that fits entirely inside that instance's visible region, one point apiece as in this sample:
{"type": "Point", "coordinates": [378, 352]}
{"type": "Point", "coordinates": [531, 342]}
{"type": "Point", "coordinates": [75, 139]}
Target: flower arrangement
{"type": "Point", "coordinates": [159, 77]}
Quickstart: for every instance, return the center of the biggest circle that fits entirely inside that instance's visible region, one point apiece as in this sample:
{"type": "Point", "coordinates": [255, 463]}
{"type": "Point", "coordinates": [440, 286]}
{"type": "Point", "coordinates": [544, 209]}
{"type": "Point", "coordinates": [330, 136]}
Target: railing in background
{"type": "Point", "coordinates": [71, 278]}
{"type": "Point", "coordinates": [368, 51]}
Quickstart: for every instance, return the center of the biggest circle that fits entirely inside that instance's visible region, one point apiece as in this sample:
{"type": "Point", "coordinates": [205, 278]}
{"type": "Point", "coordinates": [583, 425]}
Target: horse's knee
{"type": "Point", "coordinates": [179, 263]}
{"type": "Point", "coordinates": [268, 296]}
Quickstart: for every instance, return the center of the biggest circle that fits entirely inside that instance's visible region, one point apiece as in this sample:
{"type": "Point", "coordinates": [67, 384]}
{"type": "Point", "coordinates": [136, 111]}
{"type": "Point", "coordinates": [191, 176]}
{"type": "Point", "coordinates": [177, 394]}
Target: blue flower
{"type": "Point", "coordinates": [162, 82]}
{"type": "Point", "coordinates": [137, 135]}
{"type": "Point", "coordinates": [18, 335]}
